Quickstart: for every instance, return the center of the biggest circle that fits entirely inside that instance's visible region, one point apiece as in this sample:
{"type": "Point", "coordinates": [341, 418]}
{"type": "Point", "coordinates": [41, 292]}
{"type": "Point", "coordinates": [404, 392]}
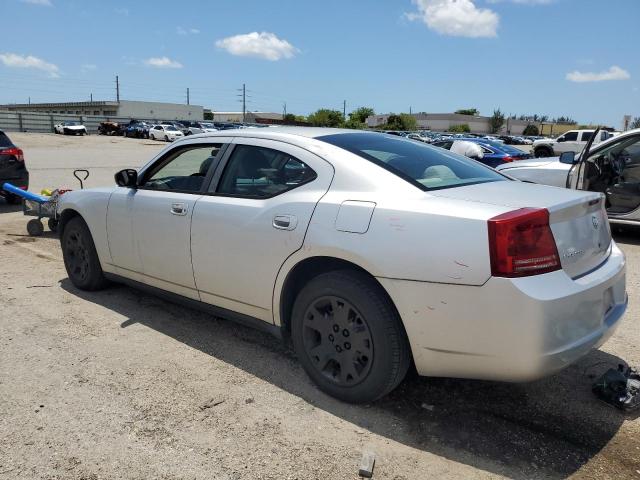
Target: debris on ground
{"type": "Point", "coordinates": [366, 464]}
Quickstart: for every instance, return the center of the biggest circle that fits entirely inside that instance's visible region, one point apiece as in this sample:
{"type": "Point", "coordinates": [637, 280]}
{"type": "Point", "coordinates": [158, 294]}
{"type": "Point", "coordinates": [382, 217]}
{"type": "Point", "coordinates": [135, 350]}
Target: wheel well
{"type": "Point", "coordinates": [66, 215]}
{"type": "Point", "coordinates": [304, 272]}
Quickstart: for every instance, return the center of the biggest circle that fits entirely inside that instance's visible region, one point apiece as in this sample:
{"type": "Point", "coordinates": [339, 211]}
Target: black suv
{"type": "Point", "coordinates": [12, 168]}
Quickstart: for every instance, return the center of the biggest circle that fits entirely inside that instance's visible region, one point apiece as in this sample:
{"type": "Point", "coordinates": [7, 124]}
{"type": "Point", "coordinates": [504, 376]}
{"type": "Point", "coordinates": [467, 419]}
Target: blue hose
{"type": "Point", "coordinates": [7, 187]}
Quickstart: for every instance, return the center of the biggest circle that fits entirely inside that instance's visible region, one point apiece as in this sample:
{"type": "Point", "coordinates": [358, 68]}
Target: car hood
{"type": "Point", "coordinates": [530, 164]}
{"type": "Point", "coordinates": [73, 127]}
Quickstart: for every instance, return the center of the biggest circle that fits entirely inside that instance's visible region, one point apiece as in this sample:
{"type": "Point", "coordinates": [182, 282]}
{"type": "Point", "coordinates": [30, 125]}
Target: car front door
{"type": "Point", "coordinates": [256, 216]}
{"type": "Point", "coordinates": [149, 227]}
{"type": "Point", "coordinates": [567, 143]}
{"type": "Point", "coordinates": [614, 170]}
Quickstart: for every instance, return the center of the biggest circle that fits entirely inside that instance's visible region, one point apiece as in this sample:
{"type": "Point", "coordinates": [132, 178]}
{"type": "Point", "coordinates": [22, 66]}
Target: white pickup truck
{"type": "Point", "coordinates": [571, 141]}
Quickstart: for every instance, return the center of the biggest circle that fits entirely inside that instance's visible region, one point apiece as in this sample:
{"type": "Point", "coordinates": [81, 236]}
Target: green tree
{"type": "Point", "coordinates": [289, 118]}
{"type": "Point", "coordinates": [400, 122]}
{"type": "Point", "coordinates": [461, 128]}
{"type": "Point", "coordinates": [635, 123]}
{"type": "Point", "coordinates": [208, 116]}
{"type": "Point", "coordinates": [326, 118]}
{"type": "Point", "coordinates": [360, 114]}
{"type": "Point", "coordinates": [531, 130]}
{"type": "Point", "coordinates": [496, 121]}
{"type": "Point", "coordinates": [467, 111]}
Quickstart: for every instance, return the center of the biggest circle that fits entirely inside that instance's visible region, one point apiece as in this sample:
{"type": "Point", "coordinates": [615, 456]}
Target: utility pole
{"type": "Point", "coordinates": [344, 109]}
{"type": "Point", "coordinates": [29, 100]}
{"type": "Point", "coordinates": [410, 110]}
{"type": "Point", "coordinates": [187, 95]}
{"type": "Point", "coordinates": [117, 89]}
{"type": "Point", "coordinates": [91, 97]}
{"type": "Point", "coordinates": [284, 110]}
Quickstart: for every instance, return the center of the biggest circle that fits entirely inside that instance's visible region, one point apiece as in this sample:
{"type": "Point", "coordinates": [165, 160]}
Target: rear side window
{"type": "Point", "coordinates": [259, 172]}
{"type": "Point", "coordinates": [4, 140]}
{"type": "Point", "coordinates": [426, 167]}
{"type": "Point", "coordinates": [586, 136]}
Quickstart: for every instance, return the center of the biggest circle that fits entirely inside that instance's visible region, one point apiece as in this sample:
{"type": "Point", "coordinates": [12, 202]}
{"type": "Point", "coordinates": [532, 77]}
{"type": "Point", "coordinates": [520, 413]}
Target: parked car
{"type": "Point", "coordinates": [611, 168]}
{"type": "Point", "coordinates": [12, 168]}
{"type": "Point", "coordinates": [137, 129]}
{"type": "Point", "coordinates": [200, 127]}
{"type": "Point", "coordinates": [177, 125]}
{"type": "Point", "coordinates": [370, 252]}
{"type": "Point", "coordinates": [494, 153]}
{"type": "Point", "coordinates": [168, 133]}
{"type": "Point", "coordinates": [70, 128]}
{"type": "Point", "coordinates": [571, 141]}
{"type": "Point", "coordinates": [110, 128]}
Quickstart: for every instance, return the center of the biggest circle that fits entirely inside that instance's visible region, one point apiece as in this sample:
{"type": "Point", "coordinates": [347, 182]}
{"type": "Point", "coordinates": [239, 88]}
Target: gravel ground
{"type": "Point", "coordinates": [119, 384]}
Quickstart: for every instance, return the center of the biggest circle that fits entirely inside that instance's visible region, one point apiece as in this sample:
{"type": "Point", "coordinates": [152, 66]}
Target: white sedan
{"type": "Point", "coordinates": [70, 128]}
{"type": "Point", "coordinates": [168, 133]}
{"type": "Point", "coordinates": [611, 168]}
{"type": "Point", "coordinates": [370, 252]}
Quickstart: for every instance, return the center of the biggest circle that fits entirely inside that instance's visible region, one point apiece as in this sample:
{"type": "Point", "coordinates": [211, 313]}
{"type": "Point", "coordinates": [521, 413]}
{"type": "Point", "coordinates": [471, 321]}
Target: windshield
{"type": "Point", "coordinates": [171, 128]}
{"type": "Point", "coordinates": [428, 168]}
{"type": "Point", "coordinates": [503, 147]}
{"type": "Point", "coordinates": [70, 124]}
{"type": "Point", "coordinates": [207, 125]}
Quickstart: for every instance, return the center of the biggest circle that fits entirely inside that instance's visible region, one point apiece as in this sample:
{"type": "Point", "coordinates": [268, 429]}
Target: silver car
{"type": "Point", "coordinates": [369, 251]}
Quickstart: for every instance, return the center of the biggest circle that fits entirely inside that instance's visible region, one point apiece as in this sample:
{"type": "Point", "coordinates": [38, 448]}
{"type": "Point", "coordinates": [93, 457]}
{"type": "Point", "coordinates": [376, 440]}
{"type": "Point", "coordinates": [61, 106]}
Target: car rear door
{"type": "Point", "coordinates": [149, 227]}
{"type": "Point", "coordinates": [256, 215]}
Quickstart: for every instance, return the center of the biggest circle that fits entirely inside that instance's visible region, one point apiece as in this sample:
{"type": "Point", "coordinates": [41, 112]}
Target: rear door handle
{"type": "Point", "coordinates": [285, 222]}
{"type": "Point", "coordinates": [179, 209]}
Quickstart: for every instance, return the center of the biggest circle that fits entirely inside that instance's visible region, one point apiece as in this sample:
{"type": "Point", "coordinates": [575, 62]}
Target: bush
{"type": "Point", "coordinates": [461, 128]}
{"type": "Point", "coordinates": [531, 130]}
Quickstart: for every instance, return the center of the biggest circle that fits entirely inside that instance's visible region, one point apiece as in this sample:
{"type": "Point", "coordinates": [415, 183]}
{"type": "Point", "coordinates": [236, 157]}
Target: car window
{"type": "Point", "coordinates": [171, 128]}
{"type": "Point", "coordinates": [570, 136]}
{"type": "Point", "coordinates": [586, 136]}
{"type": "Point", "coordinates": [4, 140]}
{"type": "Point", "coordinates": [259, 172]}
{"type": "Point", "coordinates": [183, 170]}
{"type": "Point", "coordinates": [424, 166]}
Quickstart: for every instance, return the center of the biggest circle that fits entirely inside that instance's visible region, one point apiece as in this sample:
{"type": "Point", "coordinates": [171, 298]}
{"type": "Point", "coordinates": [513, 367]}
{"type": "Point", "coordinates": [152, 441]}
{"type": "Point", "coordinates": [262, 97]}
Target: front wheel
{"type": "Point", "coordinates": [349, 337]}
{"type": "Point", "coordinates": [80, 257]}
{"type": "Point", "coordinates": [543, 152]}
{"type": "Point", "coordinates": [166, 138]}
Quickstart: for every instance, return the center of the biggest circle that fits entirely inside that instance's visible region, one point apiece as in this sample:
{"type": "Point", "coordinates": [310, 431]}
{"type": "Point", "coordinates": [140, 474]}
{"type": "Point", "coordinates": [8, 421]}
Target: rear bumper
{"type": "Point", "coordinates": [20, 180]}
{"type": "Point", "coordinates": [510, 329]}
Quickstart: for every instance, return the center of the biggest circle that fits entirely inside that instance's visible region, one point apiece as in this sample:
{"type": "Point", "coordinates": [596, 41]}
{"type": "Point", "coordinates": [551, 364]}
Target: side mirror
{"type": "Point", "coordinates": [569, 158]}
{"type": "Point", "coordinates": [127, 178]}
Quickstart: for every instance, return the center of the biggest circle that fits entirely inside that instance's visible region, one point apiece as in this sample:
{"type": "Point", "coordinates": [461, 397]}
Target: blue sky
{"type": "Point", "coordinates": [556, 57]}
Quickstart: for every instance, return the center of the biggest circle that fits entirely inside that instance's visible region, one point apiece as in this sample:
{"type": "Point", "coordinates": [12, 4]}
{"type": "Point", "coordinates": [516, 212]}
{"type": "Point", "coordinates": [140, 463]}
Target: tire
{"type": "Point", "coordinates": [365, 354]}
{"type": "Point", "coordinates": [12, 199]}
{"type": "Point", "coordinates": [166, 138]}
{"type": "Point", "coordinates": [52, 223]}
{"type": "Point", "coordinates": [80, 257]}
{"type": "Point", "coordinates": [543, 152]}
{"type": "Point", "coordinates": [35, 228]}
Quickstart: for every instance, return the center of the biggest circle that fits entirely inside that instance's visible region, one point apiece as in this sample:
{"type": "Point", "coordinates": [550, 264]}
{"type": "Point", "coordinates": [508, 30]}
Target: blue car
{"type": "Point", "coordinates": [495, 153]}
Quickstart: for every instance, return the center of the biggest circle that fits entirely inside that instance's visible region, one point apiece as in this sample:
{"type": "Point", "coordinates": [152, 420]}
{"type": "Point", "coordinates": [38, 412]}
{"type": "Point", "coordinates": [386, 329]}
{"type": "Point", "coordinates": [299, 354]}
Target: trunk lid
{"type": "Point", "coordinates": [578, 220]}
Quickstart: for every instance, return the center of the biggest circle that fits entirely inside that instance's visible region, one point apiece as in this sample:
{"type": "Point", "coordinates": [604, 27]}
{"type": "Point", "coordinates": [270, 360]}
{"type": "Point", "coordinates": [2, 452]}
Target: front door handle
{"type": "Point", "coordinates": [285, 222]}
{"type": "Point", "coordinates": [179, 209]}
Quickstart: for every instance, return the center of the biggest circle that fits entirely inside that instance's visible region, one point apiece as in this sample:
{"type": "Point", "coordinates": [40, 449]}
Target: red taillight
{"type": "Point", "coordinates": [16, 152]}
{"type": "Point", "coordinates": [521, 243]}
{"type": "Point", "coordinates": [508, 159]}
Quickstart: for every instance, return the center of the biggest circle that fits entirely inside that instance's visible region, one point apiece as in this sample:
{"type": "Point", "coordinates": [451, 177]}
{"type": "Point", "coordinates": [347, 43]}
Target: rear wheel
{"type": "Point", "coordinates": [349, 337]}
{"type": "Point", "coordinates": [542, 152]}
{"type": "Point", "coordinates": [80, 256]}
{"type": "Point", "coordinates": [35, 228]}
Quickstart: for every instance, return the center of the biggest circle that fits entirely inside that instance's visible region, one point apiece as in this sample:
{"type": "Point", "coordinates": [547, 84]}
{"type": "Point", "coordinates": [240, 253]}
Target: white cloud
{"type": "Point", "coordinates": [261, 45]}
{"type": "Point", "coordinates": [525, 2]}
{"type": "Point", "coordinates": [614, 73]}
{"type": "Point", "coordinates": [88, 66]}
{"type": "Point", "coordinates": [187, 31]}
{"type": "Point", "coordinates": [457, 18]}
{"type": "Point", "coordinates": [162, 62]}
{"type": "Point", "coordinates": [122, 11]}
{"type": "Point", "coordinates": [13, 60]}
{"type": "Point", "coordinates": [42, 3]}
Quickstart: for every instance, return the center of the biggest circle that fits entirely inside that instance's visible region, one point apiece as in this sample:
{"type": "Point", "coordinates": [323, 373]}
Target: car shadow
{"type": "Point", "coordinates": [544, 429]}
{"type": "Point", "coordinates": [6, 207]}
{"type": "Point", "coordinates": [626, 234]}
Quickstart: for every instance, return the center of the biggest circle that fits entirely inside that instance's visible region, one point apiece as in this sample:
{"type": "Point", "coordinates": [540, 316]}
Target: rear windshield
{"type": "Point", "coordinates": [428, 168]}
{"type": "Point", "coordinates": [4, 141]}
{"type": "Point", "coordinates": [503, 147]}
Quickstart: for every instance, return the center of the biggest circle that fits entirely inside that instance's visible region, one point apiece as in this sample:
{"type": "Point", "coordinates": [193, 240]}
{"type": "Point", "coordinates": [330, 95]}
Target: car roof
{"type": "Point", "coordinates": [306, 132]}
